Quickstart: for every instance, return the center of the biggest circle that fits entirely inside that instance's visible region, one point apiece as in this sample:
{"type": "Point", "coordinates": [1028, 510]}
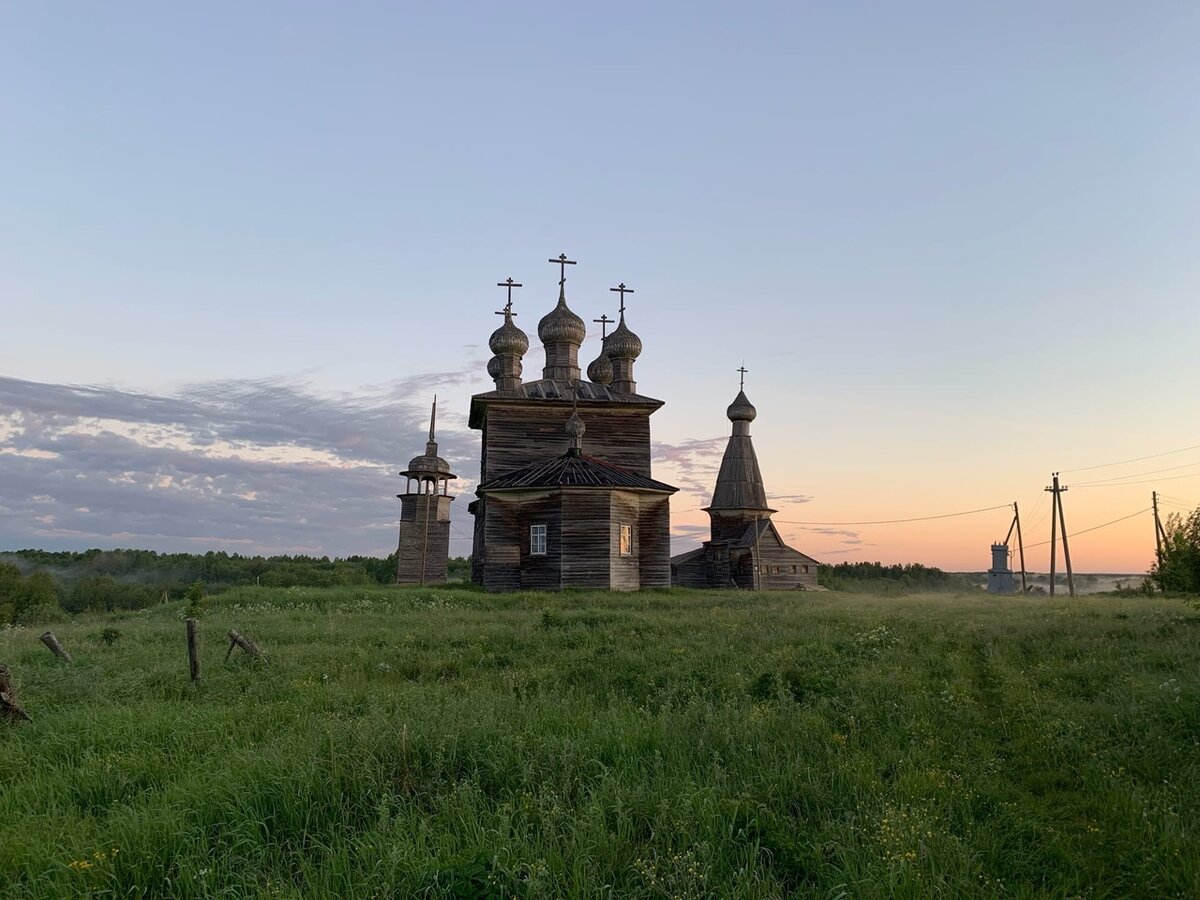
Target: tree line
{"type": "Point", "coordinates": [33, 582]}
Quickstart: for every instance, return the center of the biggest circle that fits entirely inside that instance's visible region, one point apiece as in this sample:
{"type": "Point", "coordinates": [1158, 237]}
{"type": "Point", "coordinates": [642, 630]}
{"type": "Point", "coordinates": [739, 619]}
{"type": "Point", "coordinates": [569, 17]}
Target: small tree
{"type": "Point", "coordinates": [195, 599]}
{"type": "Point", "coordinates": [1177, 566]}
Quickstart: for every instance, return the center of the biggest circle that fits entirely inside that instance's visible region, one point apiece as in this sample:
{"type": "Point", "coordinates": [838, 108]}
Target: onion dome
{"type": "Point", "coordinates": [508, 339]}
{"type": "Point", "coordinates": [741, 409]}
{"type": "Point", "coordinates": [623, 343]}
{"type": "Point", "coordinates": [428, 464]}
{"type": "Point", "coordinates": [560, 325]}
{"type": "Point", "coordinates": [495, 367]}
{"type": "Point", "coordinates": [601, 370]}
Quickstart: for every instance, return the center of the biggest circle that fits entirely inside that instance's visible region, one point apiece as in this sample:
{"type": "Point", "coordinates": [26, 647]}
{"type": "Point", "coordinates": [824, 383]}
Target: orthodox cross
{"type": "Point", "coordinates": [562, 262]}
{"type": "Point", "coordinates": [622, 290]}
{"type": "Point", "coordinates": [510, 284]}
{"type": "Point", "coordinates": [604, 322]}
{"type": "Point", "coordinates": [742, 380]}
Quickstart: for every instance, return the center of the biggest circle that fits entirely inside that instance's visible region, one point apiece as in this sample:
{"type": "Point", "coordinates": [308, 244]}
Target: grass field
{"type": "Point", "coordinates": [443, 742]}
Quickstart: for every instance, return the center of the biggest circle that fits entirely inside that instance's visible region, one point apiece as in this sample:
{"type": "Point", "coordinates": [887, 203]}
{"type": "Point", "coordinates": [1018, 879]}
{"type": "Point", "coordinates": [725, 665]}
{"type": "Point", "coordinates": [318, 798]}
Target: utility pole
{"type": "Point", "coordinates": [1053, 530]}
{"type": "Point", "coordinates": [1062, 522]}
{"type": "Point", "coordinates": [1158, 529]}
{"type": "Point", "coordinates": [1020, 544]}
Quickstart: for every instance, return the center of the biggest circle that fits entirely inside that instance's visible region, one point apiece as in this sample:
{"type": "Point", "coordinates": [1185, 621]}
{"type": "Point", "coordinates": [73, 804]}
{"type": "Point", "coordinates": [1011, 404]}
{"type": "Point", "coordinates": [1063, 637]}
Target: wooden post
{"type": "Point", "coordinates": [1020, 546]}
{"type": "Point", "coordinates": [193, 646]}
{"type": "Point", "coordinates": [758, 554]}
{"type": "Point", "coordinates": [247, 645]}
{"type": "Point", "coordinates": [55, 647]}
{"type": "Point", "coordinates": [10, 709]}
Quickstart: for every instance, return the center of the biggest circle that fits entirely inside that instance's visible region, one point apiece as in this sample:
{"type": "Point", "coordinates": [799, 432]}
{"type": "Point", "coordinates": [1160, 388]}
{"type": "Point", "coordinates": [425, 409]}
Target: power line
{"type": "Point", "coordinates": [1147, 481]}
{"type": "Point", "coordinates": [1135, 459]}
{"type": "Point", "coordinates": [1135, 474]}
{"type": "Point", "coordinates": [1094, 527]}
{"type": "Point", "coordinates": [968, 512]}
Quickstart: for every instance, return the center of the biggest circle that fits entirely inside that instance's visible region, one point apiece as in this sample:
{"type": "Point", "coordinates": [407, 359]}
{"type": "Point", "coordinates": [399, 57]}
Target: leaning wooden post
{"type": "Point", "coordinates": [247, 645]}
{"type": "Point", "coordinates": [193, 643]}
{"type": "Point", "coordinates": [55, 647]}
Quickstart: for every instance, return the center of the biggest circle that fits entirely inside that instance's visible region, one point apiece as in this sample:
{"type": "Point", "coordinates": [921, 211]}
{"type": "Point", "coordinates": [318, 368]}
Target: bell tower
{"type": "Point", "coordinates": [423, 552]}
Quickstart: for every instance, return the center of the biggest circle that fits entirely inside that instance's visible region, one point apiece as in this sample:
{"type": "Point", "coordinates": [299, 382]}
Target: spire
{"type": "Point", "coordinates": [431, 448]}
{"type": "Point", "coordinates": [739, 481]}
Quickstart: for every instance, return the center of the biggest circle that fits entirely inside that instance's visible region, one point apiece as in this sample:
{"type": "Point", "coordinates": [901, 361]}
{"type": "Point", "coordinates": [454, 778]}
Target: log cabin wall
{"type": "Point", "coordinates": [654, 534]}
{"type": "Point", "coordinates": [517, 436]}
{"type": "Point", "coordinates": [624, 509]}
{"type": "Point", "coordinates": [424, 537]}
{"type": "Point", "coordinates": [586, 538]}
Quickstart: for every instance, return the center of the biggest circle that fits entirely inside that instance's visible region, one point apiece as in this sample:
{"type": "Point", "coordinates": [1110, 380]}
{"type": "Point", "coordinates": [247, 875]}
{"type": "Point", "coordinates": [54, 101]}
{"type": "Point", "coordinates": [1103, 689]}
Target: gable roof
{"type": "Point", "coordinates": [765, 528]}
{"type": "Point", "coordinates": [574, 469]}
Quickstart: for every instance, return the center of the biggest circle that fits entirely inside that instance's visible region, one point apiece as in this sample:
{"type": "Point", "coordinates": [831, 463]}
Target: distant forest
{"type": "Point", "coordinates": [35, 583]}
{"type": "Point", "coordinates": [32, 581]}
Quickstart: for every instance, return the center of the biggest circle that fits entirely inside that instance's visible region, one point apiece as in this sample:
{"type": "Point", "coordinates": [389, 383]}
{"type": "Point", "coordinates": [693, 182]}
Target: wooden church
{"type": "Point", "coordinates": [566, 497]}
{"type": "Point", "coordinates": [745, 549]}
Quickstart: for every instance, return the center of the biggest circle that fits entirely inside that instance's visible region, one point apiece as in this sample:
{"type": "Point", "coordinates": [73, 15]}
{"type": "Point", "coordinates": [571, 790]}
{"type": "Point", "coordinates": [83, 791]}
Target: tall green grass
{"type": "Point", "coordinates": [445, 742]}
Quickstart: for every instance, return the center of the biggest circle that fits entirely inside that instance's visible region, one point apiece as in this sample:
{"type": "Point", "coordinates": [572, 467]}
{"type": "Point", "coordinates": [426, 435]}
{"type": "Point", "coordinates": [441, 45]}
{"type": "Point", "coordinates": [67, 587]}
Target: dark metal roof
{"type": "Point", "coordinates": [574, 469]}
{"type": "Point", "coordinates": [550, 390]}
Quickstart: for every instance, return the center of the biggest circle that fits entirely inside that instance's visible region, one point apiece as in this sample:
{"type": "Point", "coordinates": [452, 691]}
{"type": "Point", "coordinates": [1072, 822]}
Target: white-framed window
{"type": "Point", "coordinates": [537, 540]}
{"type": "Point", "coordinates": [626, 540]}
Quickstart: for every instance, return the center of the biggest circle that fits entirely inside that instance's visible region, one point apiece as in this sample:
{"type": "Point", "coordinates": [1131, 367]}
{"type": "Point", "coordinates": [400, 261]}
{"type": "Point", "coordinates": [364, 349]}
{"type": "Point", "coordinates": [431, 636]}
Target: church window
{"type": "Point", "coordinates": [777, 570]}
{"type": "Point", "coordinates": [626, 540]}
{"type": "Point", "coordinates": [537, 540]}
{"type": "Point", "coordinates": [793, 569]}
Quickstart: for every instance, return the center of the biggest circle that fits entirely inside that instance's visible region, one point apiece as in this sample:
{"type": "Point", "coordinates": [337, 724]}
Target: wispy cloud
{"type": "Point", "coordinates": [257, 466]}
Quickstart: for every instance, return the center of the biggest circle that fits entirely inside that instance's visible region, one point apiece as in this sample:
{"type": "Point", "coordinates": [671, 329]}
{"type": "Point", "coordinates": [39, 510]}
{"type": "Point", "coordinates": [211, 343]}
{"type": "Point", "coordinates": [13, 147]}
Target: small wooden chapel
{"type": "Point", "coordinates": [745, 549]}
{"type": "Point", "coordinates": [566, 497]}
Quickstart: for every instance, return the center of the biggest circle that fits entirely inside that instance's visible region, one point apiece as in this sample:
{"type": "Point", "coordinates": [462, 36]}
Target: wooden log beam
{"type": "Point", "coordinates": [248, 646]}
{"type": "Point", "coordinates": [10, 709]}
{"type": "Point", "coordinates": [193, 645]}
{"type": "Point", "coordinates": [55, 646]}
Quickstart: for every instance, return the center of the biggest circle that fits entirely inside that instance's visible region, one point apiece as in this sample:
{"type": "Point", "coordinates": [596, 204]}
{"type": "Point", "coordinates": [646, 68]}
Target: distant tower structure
{"type": "Point", "coordinates": [1000, 576]}
{"type": "Point", "coordinates": [424, 548]}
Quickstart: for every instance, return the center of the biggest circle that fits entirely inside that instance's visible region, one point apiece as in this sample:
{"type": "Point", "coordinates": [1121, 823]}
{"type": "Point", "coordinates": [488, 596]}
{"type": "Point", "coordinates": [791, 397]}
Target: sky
{"type": "Point", "coordinates": [243, 245]}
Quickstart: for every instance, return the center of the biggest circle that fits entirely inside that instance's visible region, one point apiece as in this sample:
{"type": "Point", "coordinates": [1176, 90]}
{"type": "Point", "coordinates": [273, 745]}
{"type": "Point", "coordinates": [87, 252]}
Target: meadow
{"type": "Point", "coordinates": [447, 743]}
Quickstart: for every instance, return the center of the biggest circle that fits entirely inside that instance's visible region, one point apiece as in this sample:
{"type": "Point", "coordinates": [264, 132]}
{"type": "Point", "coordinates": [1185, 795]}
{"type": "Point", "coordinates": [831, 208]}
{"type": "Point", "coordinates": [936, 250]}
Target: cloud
{"type": "Point", "coordinates": [265, 466]}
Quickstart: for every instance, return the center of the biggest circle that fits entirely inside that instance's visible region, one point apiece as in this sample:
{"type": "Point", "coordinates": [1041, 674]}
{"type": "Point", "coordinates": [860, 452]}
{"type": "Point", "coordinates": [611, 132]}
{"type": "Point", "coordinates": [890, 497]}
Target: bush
{"type": "Point", "coordinates": [1177, 566]}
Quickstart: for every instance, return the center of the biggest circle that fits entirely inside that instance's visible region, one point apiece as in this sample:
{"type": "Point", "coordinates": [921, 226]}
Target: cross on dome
{"type": "Point", "coordinates": [510, 284]}
{"type": "Point", "coordinates": [622, 290]}
{"type": "Point", "coordinates": [562, 262]}
{"type": "Point", "coordinates": [604, 321]}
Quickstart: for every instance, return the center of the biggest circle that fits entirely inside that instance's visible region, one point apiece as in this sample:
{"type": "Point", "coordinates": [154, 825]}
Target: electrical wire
{"type": "Point", "coordinates": [1147, 481]}
{"type": "Point", "coordinates": [1135, 459]}
{"type": "Point", "coordinates": [1135, 475]}
{"type": "Point", "coordinates": [1093, 528]}
{"type": "Point", "coordinates": [968, 512]}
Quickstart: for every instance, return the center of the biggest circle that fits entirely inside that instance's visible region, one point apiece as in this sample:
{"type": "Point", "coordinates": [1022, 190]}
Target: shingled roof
{"type": "Point", "coordinates": [574, 469]}
{"type": "Point", "coordinates": [552, 390]}
{"type": "Point", "coordinates": [739, 481]}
